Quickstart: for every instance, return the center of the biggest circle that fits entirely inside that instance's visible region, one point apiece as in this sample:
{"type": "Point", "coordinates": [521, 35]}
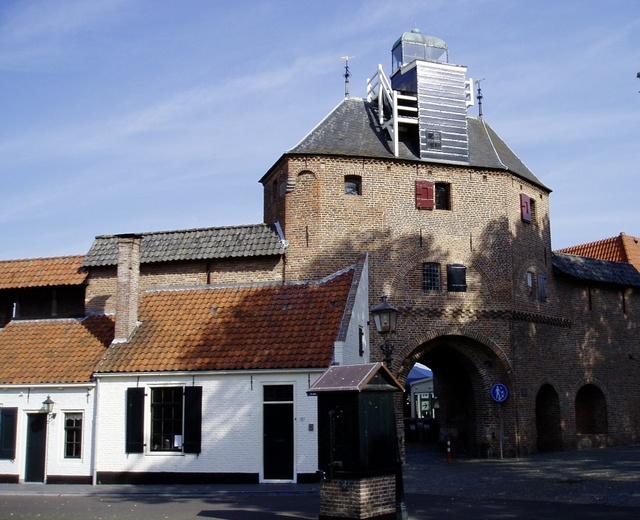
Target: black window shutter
{"type": "Point", "coordinates": [135, 420]}
{"type": "Point", "coordinates": [456, 278]}
{"type": "Point", "coordinates": [192, 419]}
{"type": "Point", "coordinates": [8, 426]}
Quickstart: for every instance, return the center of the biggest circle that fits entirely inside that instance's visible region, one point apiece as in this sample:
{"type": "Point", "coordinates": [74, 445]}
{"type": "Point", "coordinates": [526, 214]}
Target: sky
{"type": "Point", "coordinates": [120, 116]}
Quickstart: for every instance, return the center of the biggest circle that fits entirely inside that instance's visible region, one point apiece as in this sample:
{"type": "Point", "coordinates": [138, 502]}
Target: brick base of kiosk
{"type": "Point", "coordinates": [370, 498]}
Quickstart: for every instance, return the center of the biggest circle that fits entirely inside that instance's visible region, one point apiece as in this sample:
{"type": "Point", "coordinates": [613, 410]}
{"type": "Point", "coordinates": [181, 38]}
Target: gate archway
{"type": "Point", "coordinates": [464, 370]}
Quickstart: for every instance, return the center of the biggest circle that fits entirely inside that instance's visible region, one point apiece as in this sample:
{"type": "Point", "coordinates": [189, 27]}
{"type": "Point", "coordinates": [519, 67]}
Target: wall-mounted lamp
{"type": "Point", "coordinates": [385, 317]}
{"type": "Point", "coordinates": [47, 405]}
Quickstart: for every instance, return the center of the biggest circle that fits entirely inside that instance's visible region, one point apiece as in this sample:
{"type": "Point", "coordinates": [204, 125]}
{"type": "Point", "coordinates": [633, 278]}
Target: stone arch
{"type": "Point", "coordinates": [591, 410]}
{"type": "Point", "coordinates": [548, 419]}
{"type": "Point", "coordinates": [306, 171]}
{"type": "Point", "coordinates": [466, 365]}
{"type": "Point", "coordinates": [414, 350]}
{"type": "Point", "coordinates": [302, 176]}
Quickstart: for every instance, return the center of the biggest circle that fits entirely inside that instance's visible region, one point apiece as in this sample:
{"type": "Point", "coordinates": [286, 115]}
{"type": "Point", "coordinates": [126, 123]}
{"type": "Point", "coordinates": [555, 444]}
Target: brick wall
{"type": "Point", "coordinates": [499, 330]}
{"type": "Point", "coordinates": [101, 288]}
{"type": "Point", "coordinates": [359, 498]}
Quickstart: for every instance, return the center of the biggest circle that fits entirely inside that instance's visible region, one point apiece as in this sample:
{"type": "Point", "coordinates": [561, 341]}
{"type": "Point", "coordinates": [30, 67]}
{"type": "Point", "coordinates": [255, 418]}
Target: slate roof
{"type": "Point", "coordinates": [353, 378]}
{"type": "Point", "coordinates": [243, 327]}
{"type": "Point", "coordinates": [42, 272]}
{"type": "Point", "coordinates": [352, 129]}
{"type": "Point", "coordinates": [53, 351]}
{"type": "Point", "coordinates": [596, 270]}
{"type": "Point", "coordinates": [192, 244]}
{"type": "Point", "coordinates": [621, 248]}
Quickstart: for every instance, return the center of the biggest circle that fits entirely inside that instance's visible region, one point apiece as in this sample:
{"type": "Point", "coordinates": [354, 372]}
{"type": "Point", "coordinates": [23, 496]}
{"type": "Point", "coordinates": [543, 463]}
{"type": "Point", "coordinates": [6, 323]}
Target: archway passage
{"type": "Point", "coordinates": [591, 411]}
{"type": "Point", "coordinates": [548, 420]}
{"type": "Point", "coordinates": [464, 371]}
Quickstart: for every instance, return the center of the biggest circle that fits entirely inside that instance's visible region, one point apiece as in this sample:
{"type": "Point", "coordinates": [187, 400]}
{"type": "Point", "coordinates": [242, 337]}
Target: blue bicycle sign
{"type": "Point", "coordinates": [499, 393]}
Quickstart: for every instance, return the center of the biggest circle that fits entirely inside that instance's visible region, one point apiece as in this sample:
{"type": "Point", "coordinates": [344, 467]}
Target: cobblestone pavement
{"type": "Point", "coordinates": [608, 476]}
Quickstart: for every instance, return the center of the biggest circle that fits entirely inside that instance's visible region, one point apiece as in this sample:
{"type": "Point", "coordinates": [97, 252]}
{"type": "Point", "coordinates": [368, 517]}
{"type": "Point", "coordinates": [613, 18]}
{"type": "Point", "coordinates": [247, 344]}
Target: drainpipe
{"type": "Point", "coordinates": [94, 447]}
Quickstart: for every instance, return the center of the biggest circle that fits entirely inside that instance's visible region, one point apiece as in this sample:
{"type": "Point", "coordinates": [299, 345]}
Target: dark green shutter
{"type": "Point", "coordinates": [192, 419]}
{"type": "Point", "coordinates": [8, 426]}
{"type": "Point", "coordinates": [456, 278]}
{"type": "Point", "coordinates": [135, 420]}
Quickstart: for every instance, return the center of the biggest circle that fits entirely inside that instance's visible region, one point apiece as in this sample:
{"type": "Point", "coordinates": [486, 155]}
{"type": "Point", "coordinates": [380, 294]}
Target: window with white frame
{"type": "Point", "coordinates": [166, 418]}
{"type": "Point", "coordinates": [530, 285]}
{"type": "Point", "coordinates": [73, 435]}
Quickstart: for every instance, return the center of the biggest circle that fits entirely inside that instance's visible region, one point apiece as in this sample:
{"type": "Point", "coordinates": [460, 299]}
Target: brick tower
{"type": "Point", "coordinates": [457, 233]}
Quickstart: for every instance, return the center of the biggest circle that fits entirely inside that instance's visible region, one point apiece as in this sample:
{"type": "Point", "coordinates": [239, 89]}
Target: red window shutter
{"type": "Point", "coordinates": [525, 207]}
{"type": "Point", "coordinates": [424, 195]}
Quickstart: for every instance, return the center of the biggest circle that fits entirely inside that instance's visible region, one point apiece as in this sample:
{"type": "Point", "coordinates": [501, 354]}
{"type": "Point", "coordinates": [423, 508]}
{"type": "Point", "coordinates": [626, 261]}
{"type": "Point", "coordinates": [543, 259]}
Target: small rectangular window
{"type": "Point", "coordinates": [72, 435]}
{"type": "Point", "coordinates": [443, 195]}
{"type": "Point", "coordinates": [434, 140]}
{"type": "Point", "coordinates": [353, 185]}
{"type": "Point", "coordinates": [361, 341]}
{"type": "Point", "coordinates": [530, 288]}
{"type": "Point", "coordinates": [430, 276]}
{"type": "Point", "coordinates": [278, 393]}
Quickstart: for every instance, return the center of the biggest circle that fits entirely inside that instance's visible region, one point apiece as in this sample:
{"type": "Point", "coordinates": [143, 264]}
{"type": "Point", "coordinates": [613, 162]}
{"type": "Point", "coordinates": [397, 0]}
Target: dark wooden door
{"type": "Point", "coordinates": [278, 433]}
{"type": "Point", "coordinates": [36, 447]}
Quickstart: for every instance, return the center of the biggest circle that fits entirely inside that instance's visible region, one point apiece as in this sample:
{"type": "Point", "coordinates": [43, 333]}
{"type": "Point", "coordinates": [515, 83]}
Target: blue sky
{"type": "Point", "coordinates": [138, 115]}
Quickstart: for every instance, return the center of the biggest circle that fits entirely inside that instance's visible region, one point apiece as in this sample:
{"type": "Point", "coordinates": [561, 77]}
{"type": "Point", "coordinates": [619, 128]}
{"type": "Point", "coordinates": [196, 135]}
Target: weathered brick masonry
{"type": "Point", "coordinates": [495, 331]}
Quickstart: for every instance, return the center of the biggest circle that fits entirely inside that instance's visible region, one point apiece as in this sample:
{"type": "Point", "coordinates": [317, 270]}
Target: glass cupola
{"type": "Point", "coordinates": [413, 46]}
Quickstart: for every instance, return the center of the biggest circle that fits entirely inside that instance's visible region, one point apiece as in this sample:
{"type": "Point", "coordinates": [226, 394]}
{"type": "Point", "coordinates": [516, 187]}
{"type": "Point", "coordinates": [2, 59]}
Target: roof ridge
{"type": "Point", "coordinates": [592, 243]}
{"type": "Point", "coordinates": [187, 230]}
{"type": "Point", "coordinates": [41, 258]}
{"type": "Point", "coordinates": [241, 285]}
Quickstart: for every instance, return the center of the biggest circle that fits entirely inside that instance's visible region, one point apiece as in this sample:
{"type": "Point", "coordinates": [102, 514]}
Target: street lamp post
{"type": "Point", "coordinates": [385, 318]}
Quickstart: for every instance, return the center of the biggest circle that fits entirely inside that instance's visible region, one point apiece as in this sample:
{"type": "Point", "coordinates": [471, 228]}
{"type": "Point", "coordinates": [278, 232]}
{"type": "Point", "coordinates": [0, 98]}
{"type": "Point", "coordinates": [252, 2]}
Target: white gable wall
{"type": "Point", "coordinates": [359, 320]}
{"type": "Point", "coordinates": [67, 399]}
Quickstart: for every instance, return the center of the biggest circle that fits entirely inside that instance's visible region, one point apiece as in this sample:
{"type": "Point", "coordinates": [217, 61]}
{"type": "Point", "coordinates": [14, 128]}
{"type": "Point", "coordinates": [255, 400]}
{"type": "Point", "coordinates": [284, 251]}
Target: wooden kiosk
{"type": "Point", "coordinates": [357, 442]}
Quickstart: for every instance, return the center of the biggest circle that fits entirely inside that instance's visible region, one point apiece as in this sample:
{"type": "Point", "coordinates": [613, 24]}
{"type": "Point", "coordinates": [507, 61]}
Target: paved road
{"type": "Point", "coordinates": [592, 485]}
{"type": "Point", "coordinates": [274, 507]}
{"type": "Point", "coordinates": [602, 477]}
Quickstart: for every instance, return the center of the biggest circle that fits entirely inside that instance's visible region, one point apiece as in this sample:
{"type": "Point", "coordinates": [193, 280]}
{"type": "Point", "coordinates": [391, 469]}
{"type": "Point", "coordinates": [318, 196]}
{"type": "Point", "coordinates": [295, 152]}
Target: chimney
{"type": "Point", "coordinates": [127, 289]}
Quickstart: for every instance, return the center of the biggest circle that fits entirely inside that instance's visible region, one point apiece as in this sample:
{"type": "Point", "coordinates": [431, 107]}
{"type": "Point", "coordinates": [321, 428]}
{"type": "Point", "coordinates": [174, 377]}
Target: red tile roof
{"type": "Point", "coordinates": [53, 351]}
{"type": "Point", "coordinates": [270, 326]}
{"type": "Point", "coordinates": [41, 272]}
{"type": "Point", "coordinates": [621, 248]}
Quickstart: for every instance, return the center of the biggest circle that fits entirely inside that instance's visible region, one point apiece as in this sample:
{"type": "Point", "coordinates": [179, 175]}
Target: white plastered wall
{"type": "Point", "coordinates": [67, 399]}
{"type": "Point", "coordinates": [232, 423]}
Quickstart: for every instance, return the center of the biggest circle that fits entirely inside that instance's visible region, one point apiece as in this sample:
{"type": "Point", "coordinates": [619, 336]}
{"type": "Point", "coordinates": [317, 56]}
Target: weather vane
{"type": "Point", "coordinates": [346, 74]}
